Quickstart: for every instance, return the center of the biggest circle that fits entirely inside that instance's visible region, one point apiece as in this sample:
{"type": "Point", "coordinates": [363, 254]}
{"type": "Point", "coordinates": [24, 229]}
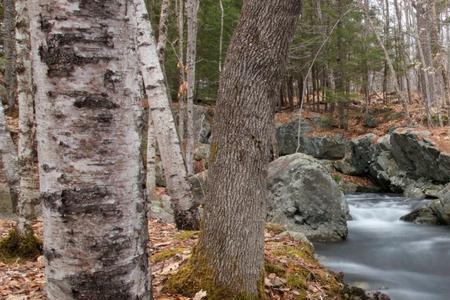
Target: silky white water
{"type": "Point", "coordinates": [405, 261]}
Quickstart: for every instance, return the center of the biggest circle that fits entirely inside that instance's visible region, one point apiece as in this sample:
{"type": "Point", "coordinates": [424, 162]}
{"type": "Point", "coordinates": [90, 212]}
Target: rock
{"type": "Point", "coordinates": [436, 212]}
{"type": "Point", "coordinates": [297, 236]}
{"type": "Point", "coordinates": [161, 209]}
{"type": "Point", "coordinates": [358, 156]}
{"type": "Point", "coordinates": [199, 186]}
{"type": "Point", "coordinates": [304, 198]}
{"type": "Point", "coordinates": [201, 157]}
{"type": "Point", "coordinates": [418, 156]}
{"type": "Point", "coordinates": [287, 135]}
{"type": "Point", "coordinates": [324, 147]}
{"type": "Point", "coordinates": [203, 118]}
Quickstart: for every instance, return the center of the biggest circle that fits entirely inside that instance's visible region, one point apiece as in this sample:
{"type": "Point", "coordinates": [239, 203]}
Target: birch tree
{"type": "Point", "coordinates": [8, 153]}
{"type": "Point", "coordinates": [186, 212]}
{"type": "Point", "coordinates": [191, 55]}
{"type": "Point", "coordinates": [182, 71]}
{"type": "Point", "coordinates": [26, 153]}
{"type": "Point", "coordinates": [229, 259]}
{"type": "Point", "coordinates": [88, 112]}
{"type": "Point", "coordinates": [9, 24]}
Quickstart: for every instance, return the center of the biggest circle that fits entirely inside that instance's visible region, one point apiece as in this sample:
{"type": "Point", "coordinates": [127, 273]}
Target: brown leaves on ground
{"type": "Point", "coordinates": [292, 272]}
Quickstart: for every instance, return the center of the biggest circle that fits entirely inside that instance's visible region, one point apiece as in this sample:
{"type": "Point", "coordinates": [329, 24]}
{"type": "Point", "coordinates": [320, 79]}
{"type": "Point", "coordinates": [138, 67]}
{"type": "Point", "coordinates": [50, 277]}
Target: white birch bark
{"type": "Point", "coordinates": [182, 70]}
{"type": "Point", "coordinates": [8, 155]}
{"type": "Point", "coordinates": [192, 11]}
{"type": "Point", "coordinates": [88, 113]}
{"type": "Point", "coordinates": [162, 37]}
{"type": "Point", "coordinates": [151, 160]}
{"type": "Point", "coordinates": [27, 186]}
{"type": "Point", "coordinates": [186, 212]}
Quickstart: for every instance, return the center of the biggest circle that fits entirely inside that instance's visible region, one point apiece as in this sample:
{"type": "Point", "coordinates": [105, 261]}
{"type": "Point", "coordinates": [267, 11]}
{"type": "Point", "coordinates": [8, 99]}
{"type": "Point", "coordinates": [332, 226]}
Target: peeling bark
{"type": "Point", "coordinates": [88, 115]}
{"type": "Point", "coordinates": [186, 212]}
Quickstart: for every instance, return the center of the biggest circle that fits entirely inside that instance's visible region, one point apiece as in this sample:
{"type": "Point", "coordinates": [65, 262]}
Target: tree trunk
{"type": "Point", "coordinates": [191, 56]}
{"type": "Point", "coordinates": [88, 114]}
{"type": "Point", "coordinates": [8, 153]}
{"type": "Point", "coordinates": [231, 245]}
{"type": "Point", "coordinates": [182, 71]}
{"type": "Point", "coordinates": [162, 36]}
{"type": "Point", "coordinates": [186, 212]}
{"type": "Point", "coordinates": [26, 153]}
{"type": "Point", "coordinates": [9, 21]}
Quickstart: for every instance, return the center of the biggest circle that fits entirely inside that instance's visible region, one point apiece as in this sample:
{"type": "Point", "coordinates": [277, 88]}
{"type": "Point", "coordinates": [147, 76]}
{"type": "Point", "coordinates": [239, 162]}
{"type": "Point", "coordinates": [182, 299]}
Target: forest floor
{"type": "Point", "coordinates": [292, 271]}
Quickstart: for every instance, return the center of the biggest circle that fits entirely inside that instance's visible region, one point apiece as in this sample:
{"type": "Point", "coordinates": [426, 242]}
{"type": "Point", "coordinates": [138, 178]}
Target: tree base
{"type": "Point", "coordinates": [195, 276]}
{"type": "Point", "coordinates": [16, 246]}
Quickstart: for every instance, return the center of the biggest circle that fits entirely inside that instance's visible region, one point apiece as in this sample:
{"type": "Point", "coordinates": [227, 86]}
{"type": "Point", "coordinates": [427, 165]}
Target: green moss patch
{"type": "Point", "coordinates": [20, 247]}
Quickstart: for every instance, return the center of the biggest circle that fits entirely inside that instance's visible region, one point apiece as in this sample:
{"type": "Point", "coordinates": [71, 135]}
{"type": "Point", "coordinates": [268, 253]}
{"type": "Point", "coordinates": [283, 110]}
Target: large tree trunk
{"type": "Point", "coordinates": [186, 212]}
{"type": "Point", "coordinates": [231, 245]}
{"type": "Point", "coordinates": [26, 153]}
{"type": "Point", "coordinates": [191, 56]}
{"type": "Point", "coordinates": [9, 22]}
{"type": "Point", "coordinates": [8, 155]}
{"type": "Point", "coordinates": [88, 114]}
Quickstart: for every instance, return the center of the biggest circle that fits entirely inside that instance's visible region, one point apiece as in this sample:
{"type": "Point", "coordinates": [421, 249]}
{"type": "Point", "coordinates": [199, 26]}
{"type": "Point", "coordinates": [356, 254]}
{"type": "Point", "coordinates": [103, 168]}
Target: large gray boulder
{"type": "Point", "coordinates": [418, 156]}
{"type": "Point", "coordinates": [304, 198]}
{"type": "Point", "coordinates": [324, 147]}
{"type": "Point", "coordinates": [287, 135]}
{"type": "Point", "coordinates": [358, 156]}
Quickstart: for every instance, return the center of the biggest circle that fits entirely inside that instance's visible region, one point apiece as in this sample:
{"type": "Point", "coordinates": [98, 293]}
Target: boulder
{"type": "Point", "coordinates": [161, 209]}
{"type": "Point", "coordinates": [418, 156]}
{"type": "Point", "coordinates": [287, 135]}
{"type": "Point", "coordinates": [358, 156]}
{"type": "Point", "coordinates": [434, 212]}
{"type": "Point", "coordinates": [324, 147]}
{"type": "Point", "coordinates": [304, 198]}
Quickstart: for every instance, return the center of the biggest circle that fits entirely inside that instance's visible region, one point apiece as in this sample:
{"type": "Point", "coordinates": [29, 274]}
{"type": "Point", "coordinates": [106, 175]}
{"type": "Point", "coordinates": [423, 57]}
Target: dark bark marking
{"type": "Point", "coordinates": [92, 101]}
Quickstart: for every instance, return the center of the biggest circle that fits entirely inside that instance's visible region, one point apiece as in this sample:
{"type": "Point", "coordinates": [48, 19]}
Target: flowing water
{"type": "Point", "coordinates": [405, 261]}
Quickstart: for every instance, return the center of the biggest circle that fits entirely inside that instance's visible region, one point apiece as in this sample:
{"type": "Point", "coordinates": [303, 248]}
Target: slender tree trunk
{"type": "Point", "coordinates": [8, 153]}
{"type": "Point", "coordinates": [26, 153]}
{"type": "Point", "coordinates": [222, 16]}
{"type": "Point", "coordinates": [399, 92]}
{"type": "Point", "coordinates": [186, 212]}
{"type": "Point", "coordinates": [162, 36]}
{"type": "Point", "coordinates": [182, 90]}
{"type": "Point", "coordinates": [231, 245]}
{"type": "Point", "coordinates": [151, 159]}
{"type": "Point", "coordinates": [88, 114]}
{"type": "Point", "coordinates": [191, 56]}
{"type": "Point", "coordinates": [9, 21]}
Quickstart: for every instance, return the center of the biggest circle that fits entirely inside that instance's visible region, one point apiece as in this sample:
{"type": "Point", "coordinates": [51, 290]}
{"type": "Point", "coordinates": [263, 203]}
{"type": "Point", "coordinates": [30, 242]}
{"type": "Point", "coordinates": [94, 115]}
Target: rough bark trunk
{"type": "Point", "coordinates": [8, 153]}
{"type": "Point", "coordinates": [186, 212]}
{"type": "Point", "coordinates": [191, 56]}
{"type": "Point", "coordinates": [88, 114]}
{"type": "Point", "coordinates": [9, 22]}
{"type": "Point", "coordinates": [26, 153]}
{"type": "Point", "coordinates": [232, 240]}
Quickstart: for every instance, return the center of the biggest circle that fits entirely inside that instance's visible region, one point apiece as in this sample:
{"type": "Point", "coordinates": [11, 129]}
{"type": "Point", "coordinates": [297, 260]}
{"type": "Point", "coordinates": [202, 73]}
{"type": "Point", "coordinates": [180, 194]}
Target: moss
{"type": "Point", "coordinates": [275, 269]}
{"type": "Point", "coordinates": [185, 235]}
{"type": "Point", "coordinates": [195, 275]}
{"type": "Point", "coordinates": [19, 247]}
{"type": "Point", "coordinates": [296, 280]}
{"type": "Point", "coordinates": [302, 251]}
{"type": "Point", "coordinates": [165, 254]}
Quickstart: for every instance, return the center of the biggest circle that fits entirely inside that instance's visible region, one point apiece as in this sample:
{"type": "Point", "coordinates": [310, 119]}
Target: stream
{"type": "Point", "coordinates": [405, 261]}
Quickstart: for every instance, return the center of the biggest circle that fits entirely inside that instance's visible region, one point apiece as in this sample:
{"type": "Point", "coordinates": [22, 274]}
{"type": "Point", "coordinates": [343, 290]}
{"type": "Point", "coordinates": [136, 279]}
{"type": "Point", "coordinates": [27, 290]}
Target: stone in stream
{"type": "Point", "coordinates": [436, 212]}
{"type": "Point", "coordinates": [305, 198]}
{"type": "Point", "coordinates": [358, 156]}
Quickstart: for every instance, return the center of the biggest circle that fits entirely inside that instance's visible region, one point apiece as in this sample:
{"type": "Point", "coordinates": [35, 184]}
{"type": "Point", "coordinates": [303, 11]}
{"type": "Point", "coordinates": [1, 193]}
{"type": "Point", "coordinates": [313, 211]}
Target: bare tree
{"type": "Point", "coordinates": [186, 212]}
{"type": "Point", "coordinates": [88, 114]}
{"type": "Point", "coordinates": [191, 56]}
{"type": "Point", "coordinates": [228, 261]}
